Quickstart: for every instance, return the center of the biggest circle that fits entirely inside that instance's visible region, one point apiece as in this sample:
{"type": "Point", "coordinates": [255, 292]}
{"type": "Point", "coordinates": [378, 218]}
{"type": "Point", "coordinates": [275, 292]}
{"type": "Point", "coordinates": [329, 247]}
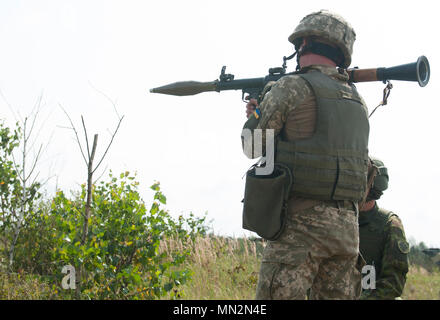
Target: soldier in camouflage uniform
{"type": "Point", "coordinates": [382, 242]}
{"type": "Point", "coordinates": [321, 126]}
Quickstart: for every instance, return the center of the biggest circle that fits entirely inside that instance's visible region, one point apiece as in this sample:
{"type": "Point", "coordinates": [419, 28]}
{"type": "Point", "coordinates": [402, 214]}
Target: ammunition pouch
{"type": "Point", "coordinates": [265, 201]}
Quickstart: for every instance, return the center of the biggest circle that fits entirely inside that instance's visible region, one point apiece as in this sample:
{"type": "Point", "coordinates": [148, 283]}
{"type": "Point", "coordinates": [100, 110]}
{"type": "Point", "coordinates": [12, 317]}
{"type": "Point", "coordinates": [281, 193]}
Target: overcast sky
{"type": "Point", "coordinates": [71, 52]}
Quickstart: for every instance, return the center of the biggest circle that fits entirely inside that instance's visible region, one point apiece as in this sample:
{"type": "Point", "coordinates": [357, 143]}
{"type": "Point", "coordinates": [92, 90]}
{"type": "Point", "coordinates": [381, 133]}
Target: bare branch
{"type": "Point", "coordinates": [95, 144]}
{"type": "Point", "coordinates": [24, 134]}
{"type": "Point", "coordinates": [45, 181]}
{"type": "Point", "coordinates": [35, 162]}
{"type": "Point", "coordinates": [35, 178]}
{"type": "Point", "coordinates": [108, 147]}
{"type": "Point", "coordinates": [43, 124]}
{"type": "Point", "coordinates": [35, 116]}
{"type": "Point", "coordinates": [9, 105]}
{"type": "Point", "coordinates": [62, 127]}
{"type": "Point", "coordinates": [19, 116]}
{"type": "Point", "coordinates": [37, 103]}
{"type": "Point", "coordinates": [107, 97]}
{"type": "Point", "coordinates": [48, 141]}
{"type": "Point", "coordinates": [85, 133]}
{"type": "Point", "coordinates": [97, 179]}
{"type": "Point", "coordinates": [76, 134]}
{"type": "Point", "coordinates": [50, 170]}
{"type": "Point", "coordinates": [16, 167]}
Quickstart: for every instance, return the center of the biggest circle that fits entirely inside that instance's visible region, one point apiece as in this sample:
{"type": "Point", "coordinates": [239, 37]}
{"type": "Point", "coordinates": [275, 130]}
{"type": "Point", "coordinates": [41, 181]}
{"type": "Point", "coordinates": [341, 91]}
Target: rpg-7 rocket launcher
{"type": "Point", "coordinates": [417, 71]}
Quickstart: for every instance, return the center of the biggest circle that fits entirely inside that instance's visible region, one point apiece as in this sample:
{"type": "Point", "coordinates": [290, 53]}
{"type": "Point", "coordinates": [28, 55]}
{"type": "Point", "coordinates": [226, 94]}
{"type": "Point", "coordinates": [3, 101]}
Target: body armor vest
{"type": "Point", "coordinates": [372, 236]}
{"type": "Point", "coordinates": [333, 163]}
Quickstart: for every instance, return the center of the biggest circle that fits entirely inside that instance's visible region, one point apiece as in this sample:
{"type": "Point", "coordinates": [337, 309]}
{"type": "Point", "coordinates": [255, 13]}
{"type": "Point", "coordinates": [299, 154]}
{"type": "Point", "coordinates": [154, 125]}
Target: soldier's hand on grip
{"type": "Point", "coordinates": [250, 107]}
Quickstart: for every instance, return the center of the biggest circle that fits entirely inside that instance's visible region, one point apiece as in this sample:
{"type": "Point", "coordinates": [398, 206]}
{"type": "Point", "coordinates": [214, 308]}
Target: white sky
{"type": "Point", "coordinates": [65, 49]}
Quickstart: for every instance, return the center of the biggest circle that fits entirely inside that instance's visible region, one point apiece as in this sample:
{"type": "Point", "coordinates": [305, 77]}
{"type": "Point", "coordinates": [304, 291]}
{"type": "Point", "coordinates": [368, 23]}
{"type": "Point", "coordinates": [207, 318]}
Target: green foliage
{"type": "Point", "coordinates": [14, 198]}
{"type": "Point", "coordinates": [38, 237]}
{"type": "Point", "coordinates": [120, 258]}
{"type": "Point", "coordinates": [190, 227]}
{"type": "Point", "coordinates": [10, 186]}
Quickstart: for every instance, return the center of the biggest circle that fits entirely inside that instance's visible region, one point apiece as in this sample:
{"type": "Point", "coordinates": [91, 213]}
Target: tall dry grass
{"type": "Point", "coordinates": [223, 268]}
{"type": "Point", "coordinates": [422, 284]}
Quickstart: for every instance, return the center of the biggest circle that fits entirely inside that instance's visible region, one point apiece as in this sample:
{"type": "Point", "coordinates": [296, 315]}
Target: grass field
{"type": "Point", "coordinates": [228, 269]}
{"type": "Point", "coordinates": [222, 269]}
{"type": "Point", "coordinates": [422, 285]}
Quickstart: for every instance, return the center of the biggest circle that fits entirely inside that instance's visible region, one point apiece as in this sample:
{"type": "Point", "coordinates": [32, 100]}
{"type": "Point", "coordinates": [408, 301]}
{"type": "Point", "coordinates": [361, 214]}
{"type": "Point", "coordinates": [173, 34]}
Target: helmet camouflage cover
{"type": "Point", "coordinates": [380, 183]}
{"type": "Point", "coordinates": [328, 27]}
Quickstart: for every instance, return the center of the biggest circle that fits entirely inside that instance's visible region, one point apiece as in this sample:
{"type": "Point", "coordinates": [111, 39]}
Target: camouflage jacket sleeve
{"type": "Point", "coordinates": [281, 98]}
{"type": "Point", "coordinates": [390, 283]}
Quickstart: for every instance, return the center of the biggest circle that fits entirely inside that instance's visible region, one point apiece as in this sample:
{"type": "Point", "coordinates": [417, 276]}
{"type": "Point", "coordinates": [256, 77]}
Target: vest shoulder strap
{"type": "Point", "coordinates": [327, 88]}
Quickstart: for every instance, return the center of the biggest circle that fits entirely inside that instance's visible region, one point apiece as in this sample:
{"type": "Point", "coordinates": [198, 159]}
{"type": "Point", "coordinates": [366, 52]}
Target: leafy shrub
{"type": "Point", "coordinates": [119, 258]}
{"type": "Point", "coordinates": [16, 201]}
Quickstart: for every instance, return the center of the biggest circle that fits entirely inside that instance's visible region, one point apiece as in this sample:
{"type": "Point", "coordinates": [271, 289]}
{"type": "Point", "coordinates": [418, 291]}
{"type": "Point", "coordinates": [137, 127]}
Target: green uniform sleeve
{"type": "Point", "coordinates": [392, 277]}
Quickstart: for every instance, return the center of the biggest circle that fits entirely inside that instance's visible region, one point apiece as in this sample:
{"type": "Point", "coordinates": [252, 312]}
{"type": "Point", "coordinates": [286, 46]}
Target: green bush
{"type": "Point", "coordinates": [15, 200]}
{"type": "Point", "coordinates": [120, 258]}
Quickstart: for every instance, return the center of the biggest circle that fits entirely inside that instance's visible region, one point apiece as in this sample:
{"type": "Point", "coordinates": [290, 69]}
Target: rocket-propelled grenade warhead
{"type": "Point", "coordinates": [250, 87]}
{"type": "Point", "coordinates": [185, 88]}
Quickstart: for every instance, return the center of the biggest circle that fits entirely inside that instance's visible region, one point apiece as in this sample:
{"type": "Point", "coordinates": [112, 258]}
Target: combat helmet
{"type": "Point", "coordinates": [380, 183]}
{"type": "Point", "coordinates": [329, 27]}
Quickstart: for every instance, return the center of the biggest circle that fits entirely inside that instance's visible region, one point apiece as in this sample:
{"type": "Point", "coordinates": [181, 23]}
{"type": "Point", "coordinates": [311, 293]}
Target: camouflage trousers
{"type": "Point", "coordinates": [316, 255]}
